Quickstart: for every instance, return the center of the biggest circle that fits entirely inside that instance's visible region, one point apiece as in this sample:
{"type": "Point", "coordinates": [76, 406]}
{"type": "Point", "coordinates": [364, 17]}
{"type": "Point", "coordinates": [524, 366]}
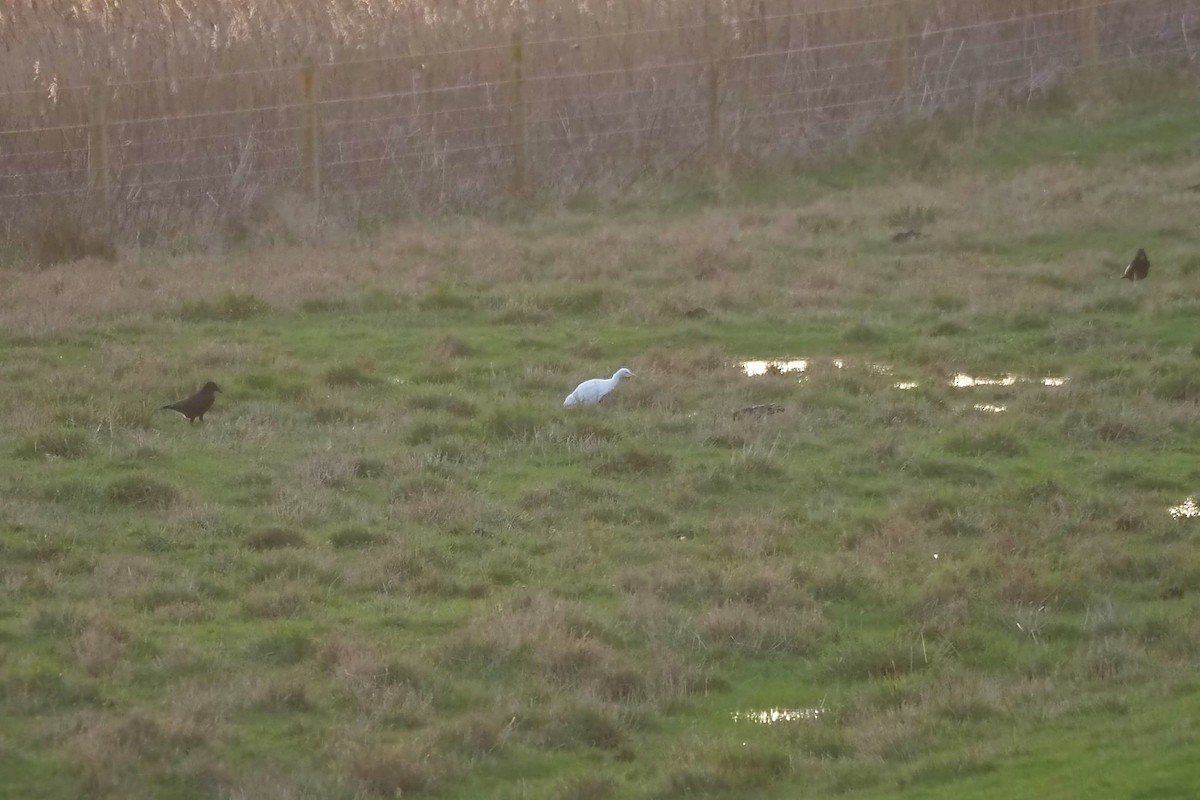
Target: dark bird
{"type": "Point", "coordinates": [196, 406]}
{"type": "Point", "coordinates": [1139, 268]}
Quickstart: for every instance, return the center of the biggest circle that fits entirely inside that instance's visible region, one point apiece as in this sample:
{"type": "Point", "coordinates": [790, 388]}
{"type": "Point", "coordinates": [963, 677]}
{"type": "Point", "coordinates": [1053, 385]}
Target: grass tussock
{"type": "Point", "coordinates": [66, 444]}
{"type": "Point", "coordinates": [64, 239]}
{"type": "Point", "coordinates": [230, 305]}
{"type": "Point", "coordinates": [142, 491]}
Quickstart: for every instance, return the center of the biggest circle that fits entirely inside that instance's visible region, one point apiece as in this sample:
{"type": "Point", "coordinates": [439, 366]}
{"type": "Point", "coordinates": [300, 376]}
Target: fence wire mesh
{"type": "Point", "coordinates": [427, 106]}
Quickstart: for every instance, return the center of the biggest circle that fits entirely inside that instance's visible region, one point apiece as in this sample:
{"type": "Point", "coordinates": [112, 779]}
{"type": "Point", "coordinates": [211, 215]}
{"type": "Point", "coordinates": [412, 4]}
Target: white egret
{"type": "Point", "coordinates": [591, 392]}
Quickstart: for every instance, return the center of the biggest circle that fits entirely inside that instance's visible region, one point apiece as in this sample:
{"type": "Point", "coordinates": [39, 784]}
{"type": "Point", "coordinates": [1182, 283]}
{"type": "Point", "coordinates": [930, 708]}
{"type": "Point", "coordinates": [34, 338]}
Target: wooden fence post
{"type": "Point", "coordinates": [712, 83]}
{"type": "Point", "coordinates": [520, 126]}
{"type": "Point", "coordinates": [898, 62]}
{"type": "Point", "coordinates": [311, 131]}
{"type": "Point", "coordinates": [98, 155]}
{"type": "Point", "coordinates": [1027, 27]}
{"type": "Point", "coordinates": [1089, 38]}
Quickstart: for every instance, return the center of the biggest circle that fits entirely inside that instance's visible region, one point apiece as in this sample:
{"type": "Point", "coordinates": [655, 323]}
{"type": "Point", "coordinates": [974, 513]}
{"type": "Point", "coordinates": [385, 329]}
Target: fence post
{"type": "Point", "coordinates": [101, 176]}
{"type": "Point", "coordinates": [1089, 38]}
{"type": "Point", "coordinates": [712, 82]}
{"type": "Point", "coordinates": [311, 132]}
{"type": "Point", "coordinates": [519, 119]}
{"type": "Point", "coordinates": [898, 65]}
{"type": "Point", "coordinates": [1027, 27]}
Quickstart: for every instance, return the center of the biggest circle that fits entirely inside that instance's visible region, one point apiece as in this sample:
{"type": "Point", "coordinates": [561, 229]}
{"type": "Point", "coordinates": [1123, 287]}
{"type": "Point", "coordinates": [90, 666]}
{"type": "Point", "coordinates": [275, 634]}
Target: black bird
{"type": "Point", "coordinates": [196, 406]}
{"type": "Point", "coordinates": [1139, 268]}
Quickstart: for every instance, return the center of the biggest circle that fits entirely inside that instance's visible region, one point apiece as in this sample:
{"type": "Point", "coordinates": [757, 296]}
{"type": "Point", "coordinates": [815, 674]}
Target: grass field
{"type": "Point", "coordinates": [391, 564]}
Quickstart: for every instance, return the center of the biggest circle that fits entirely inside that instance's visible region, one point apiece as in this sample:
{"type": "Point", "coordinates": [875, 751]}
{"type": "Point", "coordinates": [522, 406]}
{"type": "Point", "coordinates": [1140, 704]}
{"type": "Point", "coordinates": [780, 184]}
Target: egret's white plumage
{"type": "Point", "coordinates": [591, 392]}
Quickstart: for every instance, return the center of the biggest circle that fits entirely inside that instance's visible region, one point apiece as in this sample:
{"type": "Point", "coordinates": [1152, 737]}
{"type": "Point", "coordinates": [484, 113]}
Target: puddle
{"type": "Point", "coordinates": [990, 408]}
{"type": "Point", "coordinates": [964, 381]}
{"type": "Point", "coordinates": [773, 716]}
{"type": "Point", "coordinates": [960, 380]}
{"type": "Point", "coordinates": [1188, 508]}
{"type": "Point", "coordinates": [774, 366]}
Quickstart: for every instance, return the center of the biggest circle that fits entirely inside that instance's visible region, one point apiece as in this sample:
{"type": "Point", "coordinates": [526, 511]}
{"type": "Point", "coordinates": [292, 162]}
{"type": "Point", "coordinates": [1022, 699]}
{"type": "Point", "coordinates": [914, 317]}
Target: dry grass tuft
{"type": "Point", "coordinates": [101, 647]}
{"type": "Point", "coordinates": [588, 787]}
{"type": "Point", "coordinates": [744, 628]}
{"type": "Point", "coordinates": [278, 599]}
{"type": "Point", "coordinates": [569, 725]}
{"type": "Point", "coordinates": [385, 690]}
{"type": "Point", "coordinates": [397, 771]}
{"type": "Point", "coordinates": [65, 239]}
{"type": "Point", "coordinates": [143, 491]}
{"type": "Point", "coordinates": [274, 538]}
{"type": "Point", "coordinates": [111, 749]}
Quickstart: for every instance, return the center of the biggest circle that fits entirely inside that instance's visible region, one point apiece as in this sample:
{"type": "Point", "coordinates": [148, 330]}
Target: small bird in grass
{"type": "Point", "coordinates": [196, 406]}
{"type": "Point", "coordinates": [1139, 268]}
{"type": "Point", "coordinates": [591, 392]}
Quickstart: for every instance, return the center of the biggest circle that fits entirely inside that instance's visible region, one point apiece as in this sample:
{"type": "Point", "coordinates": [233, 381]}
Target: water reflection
{"type": "Point", "coordinates": [990, 408]}
{"type": "Point", "coordinates": [774, 366]}
{"type": "Point", "coordinates": [960, 380]}
{"type": "Point", "coordinates": [772, 716]}
{"type": "Point", "coordinates": [1187, 508]}
{"type": "Point", "coordinates": [964, 381]}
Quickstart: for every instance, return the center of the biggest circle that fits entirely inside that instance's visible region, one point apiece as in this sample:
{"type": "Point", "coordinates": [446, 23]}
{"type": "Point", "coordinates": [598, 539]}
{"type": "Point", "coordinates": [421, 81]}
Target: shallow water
{"type": "Point", "coordinates": [1187, 509]}
{"type": "Point", "coordinates": [774, 716]}
{"type": "Point", "coordinates": [774, 366]}
{"type": "Point", "coordinates": [960, 380]}
{"type": "Point", "coordinates": [990, 408]}
{"type": "Point", "coordinates": [964, 381]}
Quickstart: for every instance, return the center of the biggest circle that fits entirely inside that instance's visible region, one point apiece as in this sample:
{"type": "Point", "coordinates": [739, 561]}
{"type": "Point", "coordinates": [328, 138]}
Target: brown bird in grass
{"type": "Point", "coordinates": [196, 406]}
{"type": "Point", "coordinates": [1139, 268]}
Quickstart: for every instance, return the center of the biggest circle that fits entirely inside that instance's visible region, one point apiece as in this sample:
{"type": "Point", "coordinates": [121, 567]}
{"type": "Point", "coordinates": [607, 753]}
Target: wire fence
{"type": "Point", "coordinates": [547, 105]}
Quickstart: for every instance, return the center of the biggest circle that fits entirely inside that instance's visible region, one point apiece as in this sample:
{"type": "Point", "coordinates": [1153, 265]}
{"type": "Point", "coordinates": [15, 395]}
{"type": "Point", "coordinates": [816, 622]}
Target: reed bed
{"type": "Point", "coordinates": [148, 117]}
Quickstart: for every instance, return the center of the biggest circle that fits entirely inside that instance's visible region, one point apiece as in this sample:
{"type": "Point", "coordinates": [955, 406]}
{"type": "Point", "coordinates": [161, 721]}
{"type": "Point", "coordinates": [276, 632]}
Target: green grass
{"type": "Point", "coordinates": [389, 563]}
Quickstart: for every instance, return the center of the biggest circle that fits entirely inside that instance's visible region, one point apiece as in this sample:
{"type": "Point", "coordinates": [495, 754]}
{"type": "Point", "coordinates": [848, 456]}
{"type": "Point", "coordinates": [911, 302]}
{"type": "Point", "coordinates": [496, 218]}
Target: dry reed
{"type": "Point", "coordinates": [153, 116]}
